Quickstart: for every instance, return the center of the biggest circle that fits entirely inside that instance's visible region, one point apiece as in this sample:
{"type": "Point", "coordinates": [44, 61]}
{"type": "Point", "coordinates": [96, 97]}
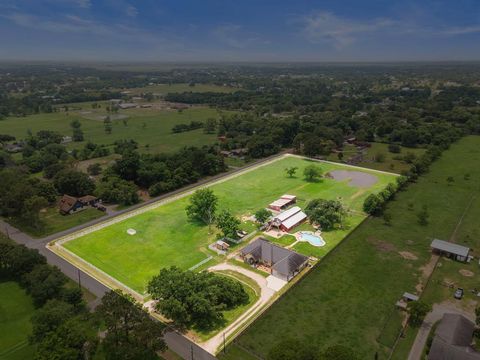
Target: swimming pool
{"type": "Point", "coordinates": [315, 240]}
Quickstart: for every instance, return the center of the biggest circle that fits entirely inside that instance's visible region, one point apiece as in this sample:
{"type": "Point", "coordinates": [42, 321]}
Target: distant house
{"type": "Point", "coordinates": [127, 106]}
{"type": "Point", "coordinates": [405, 299]}
{"type": "Point", "coordinates": [283, 263]}
{"type": "Point", "coordinates": [453, 339]}
{"type": "Point", "coordinates": [70, 204]}
{"type": "Point", "coordinates": [288, 219]}
{"type": "Point", "coordinates": [282, 203]}
{"type": "Point", "coordinates": [66, 140]}
{"type": "Point", "coordinates": [451, 250]}
{"type": "Point", "coordinates": [13, 148]}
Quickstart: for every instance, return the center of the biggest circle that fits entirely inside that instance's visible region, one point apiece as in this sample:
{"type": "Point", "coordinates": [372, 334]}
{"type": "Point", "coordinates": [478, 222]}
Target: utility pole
{"type": "Point", "coordinates": [191, 351]}
{"type": "Point", "coordinates": [224, 343]}
{"type": "Point", "coordinates": [79, 282]}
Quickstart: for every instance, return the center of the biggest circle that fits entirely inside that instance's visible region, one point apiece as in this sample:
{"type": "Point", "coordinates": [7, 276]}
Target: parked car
{"type": "Point", "coordinates": [102, 208]}
{"type": "Point", "coordinates": [458, 293]}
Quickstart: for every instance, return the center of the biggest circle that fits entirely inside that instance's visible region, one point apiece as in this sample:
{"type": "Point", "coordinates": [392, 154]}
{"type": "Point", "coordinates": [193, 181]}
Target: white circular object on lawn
{"type": "Point", "coordinates": [131, 231]}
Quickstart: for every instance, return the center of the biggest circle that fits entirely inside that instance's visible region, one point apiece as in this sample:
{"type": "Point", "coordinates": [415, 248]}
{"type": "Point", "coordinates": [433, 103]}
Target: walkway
{"type": "Point", "coordinates": [432, 317]}
{"type": "Point", "coordinates": [212, 344]}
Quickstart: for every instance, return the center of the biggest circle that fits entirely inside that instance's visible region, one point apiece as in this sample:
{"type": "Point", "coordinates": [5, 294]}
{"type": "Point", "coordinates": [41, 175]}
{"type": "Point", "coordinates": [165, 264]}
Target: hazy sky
{"type": "Point", "coordinates": [240, 30]}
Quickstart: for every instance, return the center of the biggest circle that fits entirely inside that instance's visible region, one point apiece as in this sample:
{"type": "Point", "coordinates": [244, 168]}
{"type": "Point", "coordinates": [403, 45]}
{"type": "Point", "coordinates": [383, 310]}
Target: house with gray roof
{"type": "Point", "coordinates": [283, 263]}
{"type": "Point", "coordinates": [453, 339]}
{"type": "Point", "coordinates": [451, 250]}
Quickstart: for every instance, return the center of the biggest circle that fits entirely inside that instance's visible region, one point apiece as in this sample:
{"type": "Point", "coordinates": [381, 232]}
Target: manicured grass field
{"type": "Point", "coordinates": [16, 309]}
{"type": "Point", "coordinates": [146, 126]}
{"type": "Point", "coordinates": [349, 296]}
{"type": "Point", "coordinates": [165, 236]}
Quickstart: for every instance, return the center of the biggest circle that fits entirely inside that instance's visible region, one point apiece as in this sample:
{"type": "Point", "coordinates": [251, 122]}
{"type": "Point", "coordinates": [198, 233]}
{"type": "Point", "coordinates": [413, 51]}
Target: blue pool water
{"type": "Point", "coordinates": [312, 239]}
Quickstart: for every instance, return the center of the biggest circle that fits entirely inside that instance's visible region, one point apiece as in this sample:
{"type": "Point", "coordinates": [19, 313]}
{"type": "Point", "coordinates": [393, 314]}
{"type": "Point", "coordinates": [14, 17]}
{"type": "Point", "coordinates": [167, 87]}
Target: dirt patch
{"type": "Point", "coordinates": [355, 178]}
{"type": "Point", "coordinates": [466, 272]}
{"type": "Point", "coordinates": [381, 245]}
{"type": "Point", "coordinates": [408, 255]}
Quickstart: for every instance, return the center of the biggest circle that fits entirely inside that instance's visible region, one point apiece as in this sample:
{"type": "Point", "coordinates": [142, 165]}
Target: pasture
{"type": "Point", "coordinates": [151, 128]}
{"type": "Point", "coordinates": [166, 237]}
{"type": "Point", "coordinates": [349, 297]}
{"type": "Point", "coordinates": [16, 308]}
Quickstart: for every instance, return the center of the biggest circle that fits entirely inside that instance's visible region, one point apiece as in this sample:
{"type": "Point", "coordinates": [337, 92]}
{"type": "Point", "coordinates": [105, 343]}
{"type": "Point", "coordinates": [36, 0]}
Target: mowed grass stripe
{"type": "Point", "coordinates": [350, 295]}
{"type": "Point", "coordinates": [165, 237]}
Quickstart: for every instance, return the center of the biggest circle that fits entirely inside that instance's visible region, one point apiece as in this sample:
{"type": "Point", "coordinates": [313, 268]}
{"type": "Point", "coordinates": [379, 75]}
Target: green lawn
{"type": "Point", "coordinates": [146, 126]}
{"type": "Point", "coordinates": [54, 222]}
{"type": "Point", "coordinates": [16, 309]}
{"type": "Point", "coordinates": [165, 236]}
{"type": "Point", "coordinates": [349, 296]}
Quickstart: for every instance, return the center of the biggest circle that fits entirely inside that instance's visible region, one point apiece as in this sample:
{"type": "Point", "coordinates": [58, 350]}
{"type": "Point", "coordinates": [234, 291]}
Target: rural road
{"type": "Point", "coordinates": [212, 344]}
{"type": "Point", "coordinates": [432, 317]}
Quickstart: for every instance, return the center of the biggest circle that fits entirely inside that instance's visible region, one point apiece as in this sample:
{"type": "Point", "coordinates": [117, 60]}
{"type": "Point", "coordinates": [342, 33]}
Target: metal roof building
{"type": "Point", "coordinates": [284, 263]}
{"type": "Point", "coordinates": [458, 252]}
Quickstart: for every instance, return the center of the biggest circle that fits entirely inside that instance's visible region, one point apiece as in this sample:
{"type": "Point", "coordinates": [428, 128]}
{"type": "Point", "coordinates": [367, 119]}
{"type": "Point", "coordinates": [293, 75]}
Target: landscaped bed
{"type": "Point", "coordinates": [164, 236]}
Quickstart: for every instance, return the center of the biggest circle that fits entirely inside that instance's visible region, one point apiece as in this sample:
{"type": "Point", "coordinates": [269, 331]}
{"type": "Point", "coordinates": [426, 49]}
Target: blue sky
{"type": "Point", "coordinates": [241, 30]}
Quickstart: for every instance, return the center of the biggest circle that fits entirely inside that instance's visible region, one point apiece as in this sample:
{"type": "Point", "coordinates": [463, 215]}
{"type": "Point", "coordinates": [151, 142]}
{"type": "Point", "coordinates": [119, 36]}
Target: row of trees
{"type": "Point", "coordinates": [62, 325]}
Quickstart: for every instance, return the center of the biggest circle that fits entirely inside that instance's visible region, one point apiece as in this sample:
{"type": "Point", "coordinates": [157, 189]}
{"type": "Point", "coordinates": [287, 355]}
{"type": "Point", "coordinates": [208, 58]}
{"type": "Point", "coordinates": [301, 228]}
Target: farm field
{"type": "Point", "coordinates": [16, 308]}
{"type": "Point", "coordinates": [180, 88]}
{"type": "Point", "coordinates": [349, 297]}
{"type": "Point", "coordinates": [146, 126]}
{"type": "Point", "coordinates": [166, 237]}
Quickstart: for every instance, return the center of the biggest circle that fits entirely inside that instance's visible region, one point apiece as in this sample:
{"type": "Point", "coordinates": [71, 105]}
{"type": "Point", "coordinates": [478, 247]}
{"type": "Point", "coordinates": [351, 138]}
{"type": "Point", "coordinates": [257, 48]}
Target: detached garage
{"type": "Point", "coordinates": [451, 250]}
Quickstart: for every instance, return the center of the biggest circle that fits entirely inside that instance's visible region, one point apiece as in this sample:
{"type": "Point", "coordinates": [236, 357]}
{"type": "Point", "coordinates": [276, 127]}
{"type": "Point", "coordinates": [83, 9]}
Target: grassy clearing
{"type": "Point", "coordinates": [165, 236]}
{"type": "Point", "coordinates": [55, 222]}
{"type": "Point", "coordinates": [349, 296]}
{"type": "Point", "coordinates": [146, 126]}
{"type": "Point", "coordinates": [388, 163]}
{"type": "Point", "coordinates": [16, 308]}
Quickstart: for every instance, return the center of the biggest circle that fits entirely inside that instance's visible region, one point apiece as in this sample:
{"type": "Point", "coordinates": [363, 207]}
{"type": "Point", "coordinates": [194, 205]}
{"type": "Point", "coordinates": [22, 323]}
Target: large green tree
{"type": "Point", "coordinates": [312, 172]}
{"type": "Point", "coordinates": [326, 213]}
{"type": "Point", "coordinates": [228, 224]}
{"type": "Point", "coordinates": [203, 205]}
{"type": "Point", "coordinates": [74, 183]}
{"type": "Point", "coordinates": [131, 333]}
{"type": "Point", "coordinates": [195, 299]}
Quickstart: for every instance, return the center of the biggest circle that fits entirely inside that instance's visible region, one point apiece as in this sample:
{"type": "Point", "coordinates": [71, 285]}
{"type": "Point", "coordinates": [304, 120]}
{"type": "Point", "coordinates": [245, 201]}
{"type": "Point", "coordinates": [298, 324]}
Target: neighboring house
{"type": "Point", "coordinates": [288, 219]}
{"type": "Point", "coordinates": [282, 203]}
{"type": "Point", "coordinates": [13, 148]}
{"type": "Point", "coordinates": [70, 204]}
{"type": "Point", "coordinates": [451, 250]}
{"type": "Point", "coordinates": [453, 339]}
{"type": "Point", "coordinates": [282, 263]}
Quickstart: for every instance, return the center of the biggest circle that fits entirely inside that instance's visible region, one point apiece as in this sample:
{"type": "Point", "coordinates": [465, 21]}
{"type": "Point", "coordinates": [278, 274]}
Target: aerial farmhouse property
{"type": "Point", "coordinates": [282, 263]}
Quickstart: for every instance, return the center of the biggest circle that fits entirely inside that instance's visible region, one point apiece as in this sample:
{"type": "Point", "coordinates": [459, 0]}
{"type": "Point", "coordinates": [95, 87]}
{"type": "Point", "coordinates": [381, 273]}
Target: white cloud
{"type": "Point", "coordinates": [462, 30]}
{"type": "Point", "coordinates": [234, 36]}
{"type": "Point", "coordinates": [131, 11]}
{"type": "Point", "coordinates": [327, 27]}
